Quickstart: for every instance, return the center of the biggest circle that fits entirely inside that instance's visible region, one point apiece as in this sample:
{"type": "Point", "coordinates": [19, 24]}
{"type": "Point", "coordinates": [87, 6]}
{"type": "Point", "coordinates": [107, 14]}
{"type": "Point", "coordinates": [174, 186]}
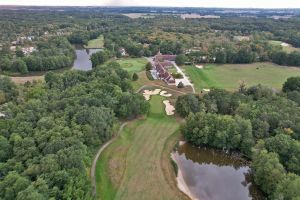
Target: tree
{"type": "Point", "coordinates": [180, 85]}
{"type": "Point", "coordinates": [148, 66]}
{"type": "Point", "coordinates": [288, 188]}
{"type": "Point", "coordinates": [19, 53]}
{"type": "Point", "coordinates": [135, 77]}
{"type": "Point", "coordinates": [8, 88]}
{"type": "Point", "coordinates": [181, 59]}
{"type": "Point", "coordinates": [292, 84]}
{"type": "Point", "coordinates": [268, 171]}
{"type": "Point", "coordinates": [187, 104]}
{"type": "Point", "coordinates": [221, 57]}
{"type": "Point", "coordinates": [20, 66]}
{"type": "Point", "coordinates": [99, 58]}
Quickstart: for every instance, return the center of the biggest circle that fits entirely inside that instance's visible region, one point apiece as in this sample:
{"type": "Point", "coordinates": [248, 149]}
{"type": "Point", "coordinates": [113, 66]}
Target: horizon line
{"type": "Point", "coordinates": [111, 6]}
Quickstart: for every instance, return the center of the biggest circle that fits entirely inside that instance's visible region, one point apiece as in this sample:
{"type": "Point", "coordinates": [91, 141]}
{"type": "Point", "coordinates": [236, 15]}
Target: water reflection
{"type": "Point", "coordinates": [214, 175]}
{"type": "Point", "coordinates": [82, 61]}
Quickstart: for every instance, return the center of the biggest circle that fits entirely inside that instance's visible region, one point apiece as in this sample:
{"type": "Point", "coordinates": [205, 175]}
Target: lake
{"type": "Point", "coordinates": [208, 174]}
{"type": "Point", "coordinates": [82, 61]}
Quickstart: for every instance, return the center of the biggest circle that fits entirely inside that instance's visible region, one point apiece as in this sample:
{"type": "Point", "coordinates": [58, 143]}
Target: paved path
{"type": "Point", "coordinates": [185, 80]}
{"type": "Point", "coordinates": [102, 148]}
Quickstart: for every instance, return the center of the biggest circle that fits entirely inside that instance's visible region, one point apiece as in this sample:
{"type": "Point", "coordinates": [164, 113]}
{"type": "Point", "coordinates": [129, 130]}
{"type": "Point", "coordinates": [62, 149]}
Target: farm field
{"type": "Point", "coordinates": [287, 47]}
{"type": "Point", "coordinates": [133, 167]}
{"type": "Point", "coordinates": [133, 64]}
{"type": "Point", "coordinates": [96, 43]}
{"type": "Point", "coordinates": [230, 76]}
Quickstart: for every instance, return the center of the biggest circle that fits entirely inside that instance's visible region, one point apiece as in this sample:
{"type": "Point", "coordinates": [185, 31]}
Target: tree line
{"type": "Point", "coordinates": [54, 53]}
{"type": "Point", "coordinates": [259, 123]}
{"type": "Point", "coordinates": [52, 129]}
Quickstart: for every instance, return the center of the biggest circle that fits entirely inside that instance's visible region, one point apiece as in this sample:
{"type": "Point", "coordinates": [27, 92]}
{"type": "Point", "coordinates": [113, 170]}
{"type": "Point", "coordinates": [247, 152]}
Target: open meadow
{"type": "Point", "coordinates": [230, 76]}
{"type": "Point", "coordinates": [285, 47]}
{"type": "Point", "coordinates": [135, 165]}
{"type": "Point", "coordinates": [97, 43]}
{"type": "Point", "coordinates": [133, 64]}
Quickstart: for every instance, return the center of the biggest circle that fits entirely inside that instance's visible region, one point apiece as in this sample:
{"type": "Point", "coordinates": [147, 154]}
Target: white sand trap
{"type": "Point", "coordinates": [199, 66]}
{"type": "Point", "coordinates": [148, 93]}
{"type": "Point", "coordinates": [206, 90]}
{"type": "Point", "coordinates": [165, 94]}
{"type": "Point", "coordinates": [169, 107]}
{"type": "Point", "coordinates": [285, 44]}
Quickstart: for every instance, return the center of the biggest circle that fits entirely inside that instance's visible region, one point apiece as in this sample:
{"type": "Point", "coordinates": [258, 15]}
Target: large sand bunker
{"type": "Point", "coordinates": [169, 107]}
{"type": "Point", "coordinates": [148, 93]}
{"type": "Point", "coordinates": [165, 94]}
{"type": "Point", "coordinates": [199, 66]}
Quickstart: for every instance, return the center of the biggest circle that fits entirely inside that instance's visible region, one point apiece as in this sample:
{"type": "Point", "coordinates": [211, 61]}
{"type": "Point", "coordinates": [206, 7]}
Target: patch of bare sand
{"type": "Point", "coordinates": [169, 107]}
{"type": "Point", "coordinates": [199, 66]}
{"type": "Point", "coordinates": [165, 94]}
{"type": "Point", "coordinates": [181, 184]}
{"type": "Point", "coordinates": [22, 80]}
{"type": "Point", "coordinates": [148, 93]}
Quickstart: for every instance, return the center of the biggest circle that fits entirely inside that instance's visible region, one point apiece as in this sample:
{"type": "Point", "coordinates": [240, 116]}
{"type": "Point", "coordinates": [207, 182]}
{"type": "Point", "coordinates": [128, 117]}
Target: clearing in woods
{"type": "Point", "coordinates": [97, 43]}
{"type": "Point", "coordinates": [230, 76]}
{"type": "Point", "coordinates": [137, 165]}
{"type": "Point", "coordinates": [133, 64]}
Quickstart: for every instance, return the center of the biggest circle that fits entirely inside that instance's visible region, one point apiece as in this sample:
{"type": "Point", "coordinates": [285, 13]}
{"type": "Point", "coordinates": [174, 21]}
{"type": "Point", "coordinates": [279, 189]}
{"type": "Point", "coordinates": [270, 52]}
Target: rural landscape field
{"type": "Point", "coordinates": [165, 100]}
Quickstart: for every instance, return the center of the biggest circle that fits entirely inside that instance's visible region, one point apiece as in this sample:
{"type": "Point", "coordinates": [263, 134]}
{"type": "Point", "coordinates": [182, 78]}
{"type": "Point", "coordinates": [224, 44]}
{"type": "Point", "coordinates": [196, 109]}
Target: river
{"type": "Point", "coordinates": [208, 174]}
{"type": "Point", "coordinates": [82, 61]}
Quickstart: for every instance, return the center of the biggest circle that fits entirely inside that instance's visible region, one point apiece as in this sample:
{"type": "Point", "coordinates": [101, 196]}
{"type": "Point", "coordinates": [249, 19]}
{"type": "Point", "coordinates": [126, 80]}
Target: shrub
{"type": "Point", "coordinates": [180, 85]}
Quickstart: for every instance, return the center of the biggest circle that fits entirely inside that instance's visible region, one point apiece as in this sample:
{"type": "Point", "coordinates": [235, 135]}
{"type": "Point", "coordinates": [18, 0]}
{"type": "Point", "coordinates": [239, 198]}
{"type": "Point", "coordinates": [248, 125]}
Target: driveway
{"type": "Point", "coordinates": [185, 80]}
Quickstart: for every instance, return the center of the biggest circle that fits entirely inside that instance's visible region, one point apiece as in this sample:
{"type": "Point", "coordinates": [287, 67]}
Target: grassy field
{"type": "Point", "coordinates": [288, 49]}
{"type": "Point", "coordinates": [96, 43]}
{"type": "Point", "coordinates": [134, 166]}
{"type": "Point", "coordinates": [230, 76]}
{"type": "Point", "coordinates": [133, 64]}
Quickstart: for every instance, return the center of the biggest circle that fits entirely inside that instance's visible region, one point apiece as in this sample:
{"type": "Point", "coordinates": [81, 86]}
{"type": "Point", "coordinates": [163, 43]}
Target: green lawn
{"type": "Point", "coordinates": [133, 64]}
{"type": "Point", "coordinates": [131, 168]}
{"type": "Point", "coordinates": [285, 48]}
{"type": "Point", "coordinates": [96, 43]}
{"type": "Point", "coordinates": [231, 75]}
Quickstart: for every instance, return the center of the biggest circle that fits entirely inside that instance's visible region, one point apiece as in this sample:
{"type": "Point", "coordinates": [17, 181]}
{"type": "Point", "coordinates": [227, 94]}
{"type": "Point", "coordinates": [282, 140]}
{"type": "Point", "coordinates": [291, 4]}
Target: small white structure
{"type": "Point", "coordinates": [122, 51]}
{"type": "Point", "coordinates": [28, 50]}
{"type": "Point", "coordinates": [2, 115]}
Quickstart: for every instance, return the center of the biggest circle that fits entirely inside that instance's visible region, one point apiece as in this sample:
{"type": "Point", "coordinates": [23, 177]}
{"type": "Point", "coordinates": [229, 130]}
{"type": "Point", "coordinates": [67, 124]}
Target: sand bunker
{"type": "Point", "coordinates": [284, 44]}
{"type": "Point", "coordinates": [169, 107]}
{"type": "Point", "coordinates": [206, 90]}
{"type": "Point", "coordinates": [199, 66]}
{"type": "Point", "coordinates": [148, 93]}
{"type": "Point", "coordinates": [165, 94]}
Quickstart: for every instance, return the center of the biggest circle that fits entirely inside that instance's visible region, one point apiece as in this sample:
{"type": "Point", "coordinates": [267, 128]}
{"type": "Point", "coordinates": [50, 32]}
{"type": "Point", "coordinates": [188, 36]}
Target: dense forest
{"type": "Point", "coordinates": [264, 126]}
{"type": "Point", "coordinates": [229, 39]}
{"type": "Point", "coordinates": [51, 129]}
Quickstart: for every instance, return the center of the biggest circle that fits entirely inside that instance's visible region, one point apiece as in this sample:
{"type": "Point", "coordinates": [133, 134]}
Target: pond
{"type": "Point", "coordinates": [82, 61]}
{"type": "Point", "coordinates": [208, 174]}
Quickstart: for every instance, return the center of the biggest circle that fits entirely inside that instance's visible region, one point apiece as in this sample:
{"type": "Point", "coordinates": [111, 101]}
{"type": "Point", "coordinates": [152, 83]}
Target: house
{"type": "Point", "coordinates": [161, 64]}
{"type": "Point", "coordinates": [2, 115]}
{"type": "Point", "coordinates": [122, 51]}
{"type": "Point", "coordinates": [28, 50]}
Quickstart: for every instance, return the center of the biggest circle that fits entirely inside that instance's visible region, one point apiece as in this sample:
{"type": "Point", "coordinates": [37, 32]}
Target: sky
{"type": "Point", "coordinates": [163, 3]}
